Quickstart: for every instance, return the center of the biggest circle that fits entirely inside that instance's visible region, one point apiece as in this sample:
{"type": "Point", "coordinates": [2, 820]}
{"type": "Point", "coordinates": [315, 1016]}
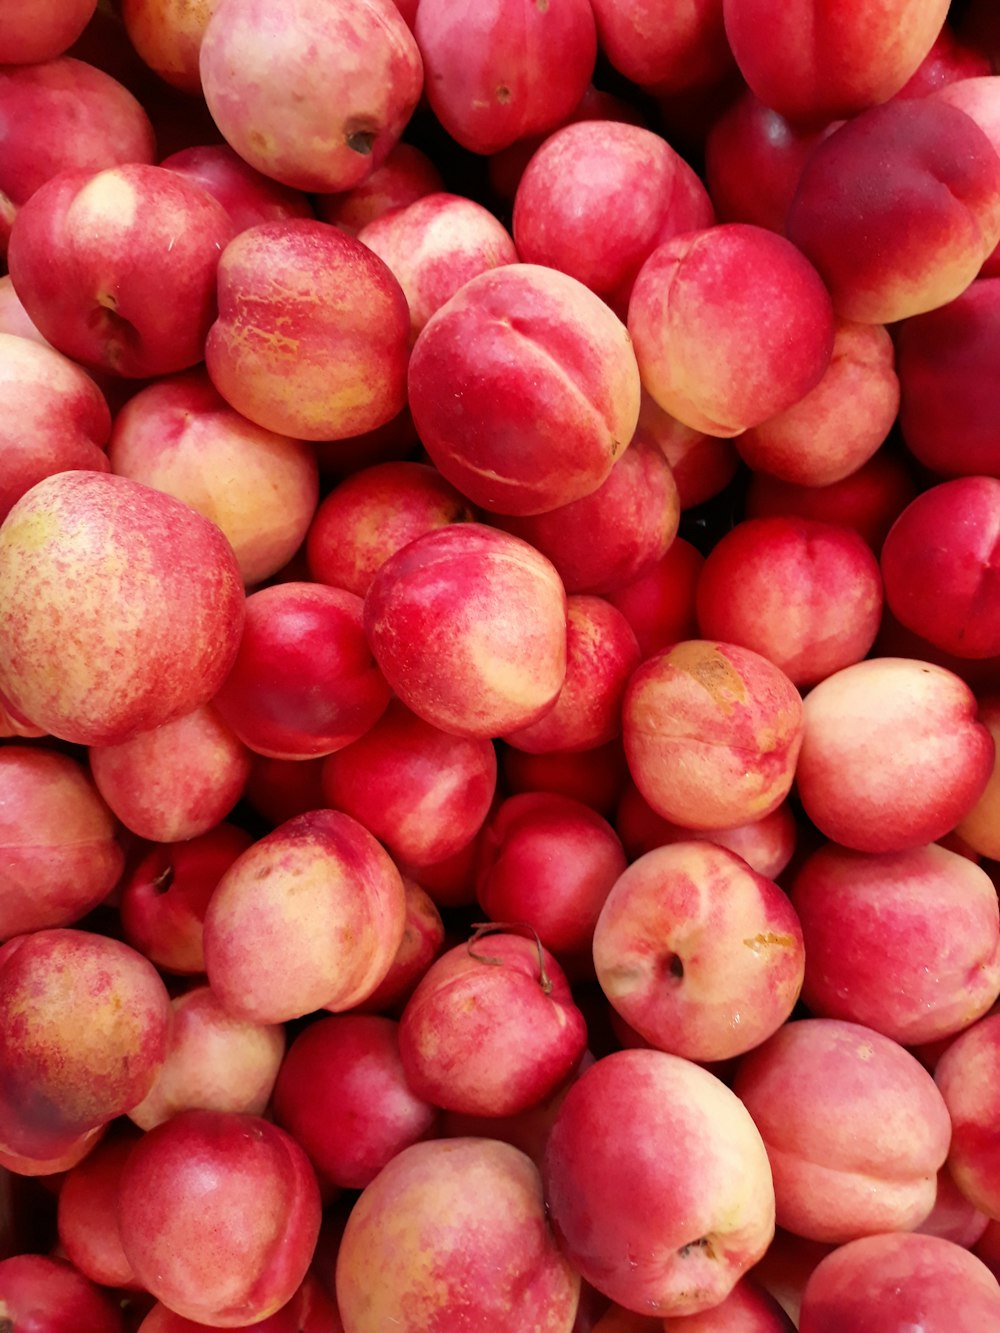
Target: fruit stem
{"type": "Point", "coordinates": [482, 928]}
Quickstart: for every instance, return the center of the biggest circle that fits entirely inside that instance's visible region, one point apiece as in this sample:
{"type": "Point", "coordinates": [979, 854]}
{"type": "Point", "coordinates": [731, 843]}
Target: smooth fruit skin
{"type": "Point", "coordinates": [898, 209]}
{"type": "Point", "coordinates": [712, 732]}
{"type": "Point", "coordinates": [453, 1234]}
{"type": "Point", "coordinates": [871, 729]}
{"type": "Point", "coordinates": [898, 1282]}
{"type": "Point", "coordinates": [47, 1294]}
{"type": "Point", "coordinates": [699, 953]}
{"type": "Point", "coordinates": [220, 1214]}
{"type": "Point", "coordinates": [657, 1183]}
{"type": "Point", "coordinates": [815, 60]}
{"type": "Point", "coordinates": [855, 1129]}
{"type": "Point", "coordinates": [524, 389]}
{"type": "Point", "coordinates": [88, 248]}
{"type": "Point", "coordinates": [314, 96]}
{"type": "Point", "coordinates": [468, 626]}
{"type": "Point", "coordinates": [499, 70]}
{"type": "Point", "coordinates": [309, 917]}
{"type": "Point", "coordinates": [58, 842]}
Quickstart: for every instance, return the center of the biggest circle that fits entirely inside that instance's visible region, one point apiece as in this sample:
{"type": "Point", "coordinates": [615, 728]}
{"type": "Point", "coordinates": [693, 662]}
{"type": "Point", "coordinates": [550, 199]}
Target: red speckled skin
{"type": "Point", "coordinates": [712, 732]}
{"type": "Point", "coordinates": [343, 1096]}
{"type": "Point", "coordinates": [41, 1293]}
{"type": "Point", "coordinates": [69, 116]}
{"type": "Point", "coordinates": [855, 1129]}
{"type": "Point", "coordinates": [167, 34]}
{"type": "Point", "coordinates": [304, 682]}
{"type": "Point", "coordinates": [87, 1217]}
{"type": "Point", "coordinates": [274, 954]}
{"type": "Point", "coordinates": [659, 603]}
{"type": "Point", "coordinates": [421, 791]}
{"type": "Point", "coordinates": [601, 654]}
{"type": "Point", "coordinates": [814, 60]}
{"type": "Point", "coordinates": [731, 325]}
{"type": "Point", "coordinates": [55, 418]}
{"type": "Point", "coordinates": [893, 756]}
{"type": "Point", "coordinates": [452, 1237]}
{"type": "Point", "coordinates": [703, 465]}
{"type": "Point", "coordinates": [598, 197]}
{"type": "Point", "coordinates": [94, 570]}
{"type": "Point", "coordinates": [657, 1183]}
{"type": "Point", "coordinates": [215, 1061]}
{"type": "Point", "coordinates": [176, 781]}
{"type": "Point", "coordinates": [309, 1311]}
{"type": "Point", "coordinates": [595, 777]}
{"type": "Point", "coordinates": [290, 88]}
{"type": "Point", "coordinates": [373, 514]}
{"type": "Point", "coordinates": [753, 160]}
{"type": "Point", "coordinates": [481, 1035]}
{"type": "Point", "coordinates": [88, 248]}
{"type": "Point", "coordinates": [765, 844]}
{"type": "Point", "coordinates": [405, 176]}
{"type": "Point", "coordinates": [966, 1076]}
{"type": "Point", "coordinates": [312, 337]}
{"type": "Point", "coordinates": [929, 984]}
{"type": "Point", "coordinates": [940, 563]}
{"type": "Point", "coordinates": [610, 536]}
{"type": "Point", "coordinates": [803, 594]}
{"type": "Point", "coordinates": [498, 70]}
{"type": "Point", "coordinates": [524, 389]}
{"type": "Point", "coordinates": [747, 1309]}
{"type": "Point", "coordinates": [666, 47]}
{"type": "Point", "coordinates": [550, 861]}
{"type": "Point", "coordinates": [219, 1215]}
{"type": "Point", "coordinates": [898, 209]}
{"type": "Point", "coordinates": [948, 415]}
{"type": "Point", "coordinates": [248, 197]}
{"type": "Point", "coordinates": [84, 1025]}
{"type": "Point", "coordinates": [423, 940]}
{"type": "Point", "coordinates": [435, 246]}
{"type": "Point", "coordinates": [894, 1283]}
{"type": "Point", "coordinates": [60, 853]}
{"type": "Point", "coordinates": [181, 436]}
{"type": "Point", "coordinates": [468, 625]}
{"type": "Point", "coordinates": [868, 501]}
{"type": "Point", "coordinates": [163, 901]}
{"type": "Point", "coordinates": [839, 425]}
{"type": "Point", "coordinates": [698, 953]}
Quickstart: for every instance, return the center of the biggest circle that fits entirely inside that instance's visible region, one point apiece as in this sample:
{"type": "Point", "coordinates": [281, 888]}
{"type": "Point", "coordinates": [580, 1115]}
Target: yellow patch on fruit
{"type": "Point", "coordinates": [107, 200]}
{"type": "Point", "coordinates": [712, 671]}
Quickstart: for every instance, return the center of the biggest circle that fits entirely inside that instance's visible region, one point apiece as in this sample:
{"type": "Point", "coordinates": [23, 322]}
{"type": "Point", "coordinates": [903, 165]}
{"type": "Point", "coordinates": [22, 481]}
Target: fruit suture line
{"type": "Point", "coordinates": [499, 666]}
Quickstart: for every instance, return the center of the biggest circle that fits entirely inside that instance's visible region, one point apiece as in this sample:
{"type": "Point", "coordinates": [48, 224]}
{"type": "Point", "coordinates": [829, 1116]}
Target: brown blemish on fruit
{"type": "Point", "coordinates": [703, 1244]}
{"type": "Point", "coordinates": [758, 943]}
{"type": "Point", "coordinates": [361, 141]}
{"type": "Point", "coordinates": [503, 94]}
{"type": "Point", "coordinates": [712, 671]}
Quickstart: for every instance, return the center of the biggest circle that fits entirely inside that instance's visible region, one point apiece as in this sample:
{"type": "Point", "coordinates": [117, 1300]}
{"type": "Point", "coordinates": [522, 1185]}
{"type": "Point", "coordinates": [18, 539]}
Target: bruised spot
{"type": "Point", "coordinates": [503, 94]}
{"type": "Point", "coordinates": [712, 671]}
